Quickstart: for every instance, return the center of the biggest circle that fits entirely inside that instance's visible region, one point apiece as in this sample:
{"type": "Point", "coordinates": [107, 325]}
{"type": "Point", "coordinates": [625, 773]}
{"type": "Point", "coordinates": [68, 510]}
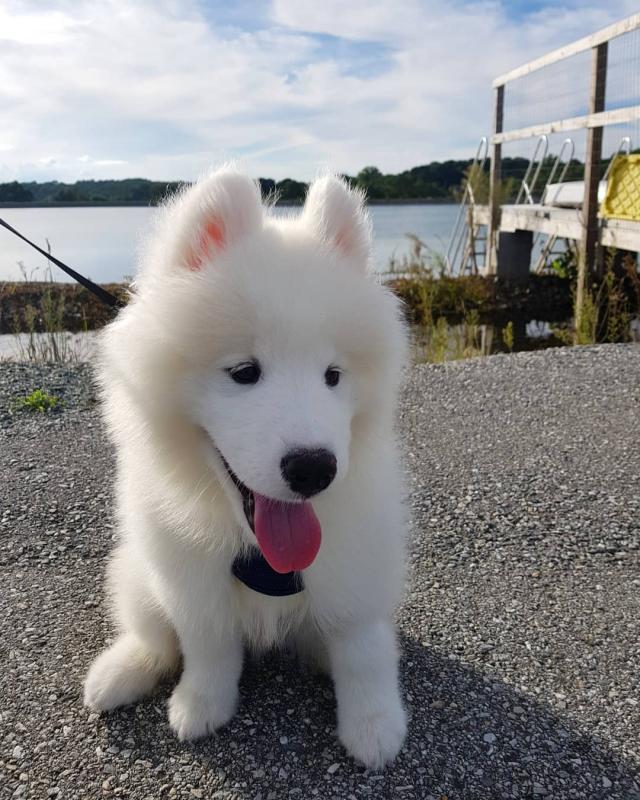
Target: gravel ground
{"type": "Point", "coordinates": [520, 631]}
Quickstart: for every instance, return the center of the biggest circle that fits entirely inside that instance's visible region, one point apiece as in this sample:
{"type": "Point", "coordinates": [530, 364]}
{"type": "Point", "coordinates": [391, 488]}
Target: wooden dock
{"type": "Point", "coordinates": [511, 228]}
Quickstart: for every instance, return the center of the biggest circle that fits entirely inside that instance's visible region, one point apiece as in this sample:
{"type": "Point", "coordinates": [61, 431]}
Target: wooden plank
{"type": "Point", "coordinates": [560, 222]}
{"type": "Point", "coordinates": [621, 234]}
{"type": "Point", "coordinates": [587, 43]}
{"type": "Point", "coordinates": [564, 223]}
{"type": "Point", "coordinates": [595, 120]}
{"type": "Point", "coordinates": [495, 176]}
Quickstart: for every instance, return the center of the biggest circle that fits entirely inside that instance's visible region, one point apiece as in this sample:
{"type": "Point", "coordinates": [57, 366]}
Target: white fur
{"type": "Point", "coordinates": [297, 295]}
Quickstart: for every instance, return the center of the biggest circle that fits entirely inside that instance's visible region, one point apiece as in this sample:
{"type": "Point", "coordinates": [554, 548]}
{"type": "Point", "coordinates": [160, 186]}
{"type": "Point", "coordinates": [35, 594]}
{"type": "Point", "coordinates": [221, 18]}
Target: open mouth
{"type": "Point", "coordinates": [248, 497]}
{"type": "Point", "coordinates": [288, 534]}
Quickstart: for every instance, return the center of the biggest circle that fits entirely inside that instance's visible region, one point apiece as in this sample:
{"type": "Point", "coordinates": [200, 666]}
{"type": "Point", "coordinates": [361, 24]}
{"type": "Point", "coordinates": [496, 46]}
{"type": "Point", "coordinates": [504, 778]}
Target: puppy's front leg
{"type": "Point", "coordinates": [207, 695]}
{"type": "Point", "coordinates": [371, 719]}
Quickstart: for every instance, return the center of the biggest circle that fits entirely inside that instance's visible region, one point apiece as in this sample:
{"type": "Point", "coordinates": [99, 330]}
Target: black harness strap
{"type": "Point", "coordinates": [254, 571]}
{"type": "Point", "coordinates": [106, 297]}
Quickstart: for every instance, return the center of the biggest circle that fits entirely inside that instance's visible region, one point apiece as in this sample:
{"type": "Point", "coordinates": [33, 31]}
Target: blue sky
{"type": "Point", "coordinates": [163, 89]}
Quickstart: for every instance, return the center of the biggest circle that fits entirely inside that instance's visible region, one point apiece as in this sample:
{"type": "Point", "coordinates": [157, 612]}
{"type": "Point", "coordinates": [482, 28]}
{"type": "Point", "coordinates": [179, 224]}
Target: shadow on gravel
{"type": "Point", "coordinates": [469, 737]}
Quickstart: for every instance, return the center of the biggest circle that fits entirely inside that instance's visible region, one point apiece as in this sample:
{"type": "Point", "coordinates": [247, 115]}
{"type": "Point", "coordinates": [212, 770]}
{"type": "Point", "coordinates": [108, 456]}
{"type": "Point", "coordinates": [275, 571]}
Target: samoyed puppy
{"type": "Point", "coordinates": [250, 387]}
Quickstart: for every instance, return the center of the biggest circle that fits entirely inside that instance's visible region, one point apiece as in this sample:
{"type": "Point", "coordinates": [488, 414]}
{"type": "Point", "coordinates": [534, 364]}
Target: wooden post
{"type": "Point", "coordinates": [514, 256]}
{"type": "Point", "coordinates": [593, 157]}
{"type": "Point", "coordinates": [491, 257]}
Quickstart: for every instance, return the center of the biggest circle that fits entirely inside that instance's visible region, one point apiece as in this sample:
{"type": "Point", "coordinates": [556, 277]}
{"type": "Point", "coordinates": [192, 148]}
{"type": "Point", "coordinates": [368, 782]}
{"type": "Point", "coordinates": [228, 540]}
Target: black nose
{"type": "Point", "coordinates": [308, 471]}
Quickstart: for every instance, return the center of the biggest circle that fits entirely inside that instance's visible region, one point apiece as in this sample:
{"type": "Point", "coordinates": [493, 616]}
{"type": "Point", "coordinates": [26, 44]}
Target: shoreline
{"type": "Point", "coordinates": [418, 201]}
{"type": "Point", "coordinates": [24, 306]}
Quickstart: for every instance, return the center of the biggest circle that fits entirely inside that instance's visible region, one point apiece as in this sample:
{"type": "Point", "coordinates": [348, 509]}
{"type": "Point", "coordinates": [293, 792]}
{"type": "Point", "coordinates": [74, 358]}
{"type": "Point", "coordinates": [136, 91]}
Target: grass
{"type": "Point", "coordinates": [508, 336]}
{"type": "Point", "coordinates": [52, 344]}
{"type": "Point", "coordinates": [419, 280]}
{"type": "Point", "coordinates": [443, 341]}
{"type": "Point", "coordinates": [609, 305]}
{"type": "Point", "coordinates": [447, 311]}
{"type": "Point", "coordinates": [39, 401]}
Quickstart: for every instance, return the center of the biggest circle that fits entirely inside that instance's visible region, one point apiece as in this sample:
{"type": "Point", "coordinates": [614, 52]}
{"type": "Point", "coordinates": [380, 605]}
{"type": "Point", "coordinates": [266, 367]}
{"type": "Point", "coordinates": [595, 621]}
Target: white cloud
{"type": "Point", "coordinates": [101, 162]}
{"type": "Point", "coordinates": [157, 89]}
{"type": "Point", "coordinates": [35, 28]}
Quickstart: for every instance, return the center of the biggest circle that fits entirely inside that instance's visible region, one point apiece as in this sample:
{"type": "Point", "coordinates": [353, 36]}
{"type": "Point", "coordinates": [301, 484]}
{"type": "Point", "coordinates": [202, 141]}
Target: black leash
{"type": "Point", "coordinates": [107, 298]}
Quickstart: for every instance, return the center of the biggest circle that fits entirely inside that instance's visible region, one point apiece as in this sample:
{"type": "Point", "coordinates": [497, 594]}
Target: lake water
{"type": "Point", "coordinates": [101, 242]}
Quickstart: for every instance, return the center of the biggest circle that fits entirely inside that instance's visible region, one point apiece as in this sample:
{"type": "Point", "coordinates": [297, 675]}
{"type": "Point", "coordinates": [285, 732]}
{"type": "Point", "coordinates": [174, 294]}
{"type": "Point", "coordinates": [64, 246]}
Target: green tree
{"type": "Point", "coordinates": [14, 192]}
{"type": "Point", "coordinates": [372, 181]}
{"type": "Point", "coordinates": [291, 191]}
{"type": "Point", "coordinates": [69, 194]}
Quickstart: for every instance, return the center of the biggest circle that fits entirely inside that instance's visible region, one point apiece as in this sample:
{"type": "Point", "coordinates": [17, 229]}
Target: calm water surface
{"type": "Point", "coordinates": [102, 242]}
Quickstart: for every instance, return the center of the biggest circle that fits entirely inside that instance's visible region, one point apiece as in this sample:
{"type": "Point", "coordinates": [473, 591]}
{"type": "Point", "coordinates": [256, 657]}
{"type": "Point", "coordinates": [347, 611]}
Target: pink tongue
{"type": "Point", "coordinates": [288, 533]}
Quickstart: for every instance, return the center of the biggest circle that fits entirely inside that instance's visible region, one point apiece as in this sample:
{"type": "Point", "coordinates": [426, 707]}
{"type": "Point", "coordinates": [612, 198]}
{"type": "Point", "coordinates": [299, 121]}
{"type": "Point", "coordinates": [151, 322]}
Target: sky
{"type": "Point", "coordinates": [163, 89]}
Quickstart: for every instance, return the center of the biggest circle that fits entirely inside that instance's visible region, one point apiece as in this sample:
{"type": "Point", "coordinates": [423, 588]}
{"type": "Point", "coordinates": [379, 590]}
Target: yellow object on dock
{"type": "Point", "coordinates": [622, 200]}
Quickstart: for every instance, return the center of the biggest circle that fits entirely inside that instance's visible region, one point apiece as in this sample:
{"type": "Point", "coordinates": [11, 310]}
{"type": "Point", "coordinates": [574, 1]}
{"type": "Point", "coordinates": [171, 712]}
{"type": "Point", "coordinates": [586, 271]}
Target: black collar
{"type": "Point", "coordinates": [253, 570]}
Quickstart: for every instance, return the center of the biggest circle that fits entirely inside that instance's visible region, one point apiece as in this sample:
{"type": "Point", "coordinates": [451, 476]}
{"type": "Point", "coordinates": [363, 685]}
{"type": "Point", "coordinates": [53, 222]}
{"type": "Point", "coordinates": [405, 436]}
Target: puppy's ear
{"type": "Point", "coordinates": [338, 215]}
{"type": "Point", "coordinates": [214, 214]}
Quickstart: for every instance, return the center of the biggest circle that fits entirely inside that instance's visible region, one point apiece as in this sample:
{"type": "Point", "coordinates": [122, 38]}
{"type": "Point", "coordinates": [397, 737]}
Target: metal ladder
{"type": "Point", "coordinates": [461, 253]}
{"type": "Point", "coordinates": [548, 247]}
{"type": "Point", "coordinates": [529, 181]}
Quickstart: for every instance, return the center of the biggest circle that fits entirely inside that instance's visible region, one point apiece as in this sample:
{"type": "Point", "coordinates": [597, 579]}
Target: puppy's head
{"type": "Point", "coordinates": [272, 338]}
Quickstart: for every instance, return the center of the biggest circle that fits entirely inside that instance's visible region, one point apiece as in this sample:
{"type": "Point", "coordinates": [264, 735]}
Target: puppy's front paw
{"type": "Point", "coordinates": [374, 738]}
{"type": "Point", "coordinates": [193, 715]}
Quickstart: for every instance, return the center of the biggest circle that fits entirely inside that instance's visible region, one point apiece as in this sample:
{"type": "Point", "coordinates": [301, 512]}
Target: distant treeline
{"type": "Point", "coordinates": [437, 181]}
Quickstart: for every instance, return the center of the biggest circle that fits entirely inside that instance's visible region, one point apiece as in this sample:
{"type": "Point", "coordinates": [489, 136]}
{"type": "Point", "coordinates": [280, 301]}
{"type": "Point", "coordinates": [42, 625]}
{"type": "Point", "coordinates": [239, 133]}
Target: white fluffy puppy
{"type": "Point", "coordinates": [250, 387]}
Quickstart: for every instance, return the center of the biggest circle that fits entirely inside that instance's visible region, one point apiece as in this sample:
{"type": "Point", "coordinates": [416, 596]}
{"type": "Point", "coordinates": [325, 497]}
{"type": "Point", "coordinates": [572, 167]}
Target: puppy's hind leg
{"type": "Point", "coordinates": [145, 651]}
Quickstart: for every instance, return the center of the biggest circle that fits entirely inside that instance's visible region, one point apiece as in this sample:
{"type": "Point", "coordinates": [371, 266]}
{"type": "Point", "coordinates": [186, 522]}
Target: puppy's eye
{"type": "Point", "coordinates": [248, 372]}
{"type": "Point", "coordinates": [332, 376]}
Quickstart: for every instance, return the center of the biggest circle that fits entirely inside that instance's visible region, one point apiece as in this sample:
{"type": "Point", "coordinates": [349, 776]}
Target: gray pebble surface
{"type": "Point", "coordinates": [520, 631]}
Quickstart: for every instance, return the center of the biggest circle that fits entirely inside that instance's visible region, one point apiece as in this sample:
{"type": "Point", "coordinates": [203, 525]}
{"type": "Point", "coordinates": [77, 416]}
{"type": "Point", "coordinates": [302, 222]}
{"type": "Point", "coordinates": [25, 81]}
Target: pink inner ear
{"type": "Point", "coordinates": [212, 234]}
